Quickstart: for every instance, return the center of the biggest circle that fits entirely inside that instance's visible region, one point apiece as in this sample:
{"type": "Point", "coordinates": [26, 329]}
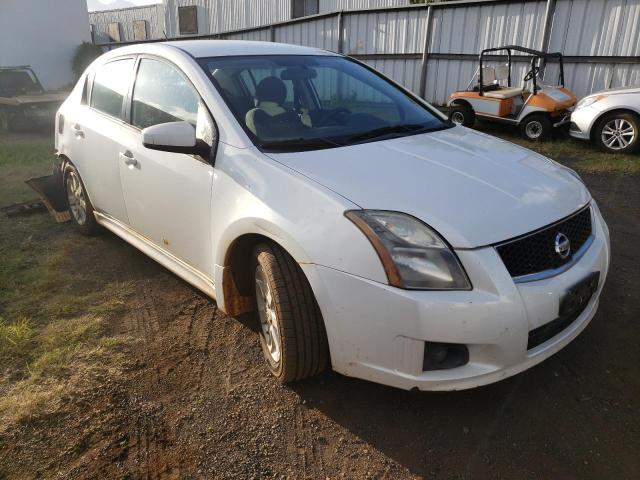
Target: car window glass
{"type": "Point", "coordinates": [335, 89]}
{"type": "Point", "coordinates": [162, 94]}
{"type": "Point", "coordinates": [293, 102]}
{"type": "Point", "coordinates": [110, 86]}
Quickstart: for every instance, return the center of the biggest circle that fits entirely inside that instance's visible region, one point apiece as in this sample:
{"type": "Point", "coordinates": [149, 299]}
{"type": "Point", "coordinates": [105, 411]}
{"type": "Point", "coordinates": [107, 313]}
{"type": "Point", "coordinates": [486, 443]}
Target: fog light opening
{"type": "Point", "coordinates": [442, 356]}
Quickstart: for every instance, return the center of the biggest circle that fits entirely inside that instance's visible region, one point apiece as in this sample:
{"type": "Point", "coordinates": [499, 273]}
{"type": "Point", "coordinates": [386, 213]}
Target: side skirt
{"type": "Point", "coordinates": [171, 262]}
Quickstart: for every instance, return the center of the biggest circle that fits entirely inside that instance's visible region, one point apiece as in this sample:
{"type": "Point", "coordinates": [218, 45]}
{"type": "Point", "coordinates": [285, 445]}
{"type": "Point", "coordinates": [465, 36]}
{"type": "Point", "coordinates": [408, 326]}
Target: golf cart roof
{"type": "Point", "coordinates": [517, 48]}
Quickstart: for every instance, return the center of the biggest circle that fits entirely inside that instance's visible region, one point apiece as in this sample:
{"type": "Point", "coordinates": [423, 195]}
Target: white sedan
{"type": "Point", "coordinates": [367, 232]}
{"type": "Point", "coordinates": [610, 119]}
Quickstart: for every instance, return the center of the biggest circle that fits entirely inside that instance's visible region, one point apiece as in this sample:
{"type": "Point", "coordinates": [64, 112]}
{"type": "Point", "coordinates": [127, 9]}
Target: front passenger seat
{"type": "Point", "coordinates": [269, 112]}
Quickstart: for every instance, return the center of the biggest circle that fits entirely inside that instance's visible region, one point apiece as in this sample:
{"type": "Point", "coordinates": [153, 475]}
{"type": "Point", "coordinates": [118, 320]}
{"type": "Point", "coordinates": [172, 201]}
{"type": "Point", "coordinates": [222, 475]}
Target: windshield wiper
{"type": "Point", "coordinates": [298, 144]}
{"type": "Point", "coordinates": [389, 130]}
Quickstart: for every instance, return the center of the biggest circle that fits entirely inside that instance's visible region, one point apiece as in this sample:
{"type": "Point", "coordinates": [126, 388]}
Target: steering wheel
{"type": "Point", "coordinates": [532, 73]}
{"type": "Point", "coordinates": [333, 115]}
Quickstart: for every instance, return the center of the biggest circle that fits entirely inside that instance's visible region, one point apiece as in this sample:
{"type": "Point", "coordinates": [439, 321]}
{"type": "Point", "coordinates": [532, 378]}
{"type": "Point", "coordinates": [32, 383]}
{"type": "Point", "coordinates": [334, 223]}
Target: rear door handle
{"type": "Point", "coordinates": [77, 131]}
{"type": "Point", "coordinates": [128, 159]}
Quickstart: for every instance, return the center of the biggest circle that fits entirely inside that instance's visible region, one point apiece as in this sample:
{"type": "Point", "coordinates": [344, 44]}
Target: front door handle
{"type": "Point", "coordinates": [77, 131]}
{"type": "Point", "coordinates": [128, 159]}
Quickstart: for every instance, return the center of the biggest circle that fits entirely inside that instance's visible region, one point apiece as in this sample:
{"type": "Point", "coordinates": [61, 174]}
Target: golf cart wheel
{"type": "Point", "coordinates": [462, 114]}
{"type": "Point", "coordinates": [536, 127]}
{"type": "Point", "coordinates": [292, 333]}
{"type": "Point", "coordinates": [78, 203]}
{"type": "Point", "coordinates": [618, 132]}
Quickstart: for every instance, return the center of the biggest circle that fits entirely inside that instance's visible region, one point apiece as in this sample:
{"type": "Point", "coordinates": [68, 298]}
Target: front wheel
{"type": "Point", "coordinates": [618, 133]}
{"type": "Point", "coordinates": [78, 202]}
{"type": "Point", "coordinates": [462, 114]}
{"type": "Point", "coordinates": [292, 333]}
{"type": "Point", "coordinates": [536, 127]}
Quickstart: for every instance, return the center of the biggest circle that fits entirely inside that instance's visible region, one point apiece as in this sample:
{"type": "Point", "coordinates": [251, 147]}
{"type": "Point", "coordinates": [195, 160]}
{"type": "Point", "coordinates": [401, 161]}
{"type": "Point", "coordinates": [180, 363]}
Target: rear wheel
{"type": "Point", "coordinates": [618, 132]}
{"type": "Point", "coordinates": [78, 202]}
{"type": "Point", "coordinates": [462, 114]}
{"type": "Point", "coordinates": [536, 127]}
{"type": "Point", "coordinates": [292, 333]}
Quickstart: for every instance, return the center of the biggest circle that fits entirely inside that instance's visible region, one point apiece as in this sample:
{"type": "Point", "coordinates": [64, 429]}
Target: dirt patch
{"type": "Point", "coordinates": [194, 400]}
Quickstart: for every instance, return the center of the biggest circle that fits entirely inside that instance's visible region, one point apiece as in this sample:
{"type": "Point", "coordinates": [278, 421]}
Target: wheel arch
{"type": "Point", "coordinates": [459, 102]}
{"type": "Point", "coordinates": [65, 160]}
{"type": "Point", "coordinates": [601, 115]}
{"type": "Point", "coordinates": [234, 259]}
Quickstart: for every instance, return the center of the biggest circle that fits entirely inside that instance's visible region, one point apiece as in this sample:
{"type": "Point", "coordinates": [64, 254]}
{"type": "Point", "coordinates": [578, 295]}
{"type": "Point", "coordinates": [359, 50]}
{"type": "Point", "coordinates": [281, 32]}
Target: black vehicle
{"type": "Point", "coordinates": [24, 103]}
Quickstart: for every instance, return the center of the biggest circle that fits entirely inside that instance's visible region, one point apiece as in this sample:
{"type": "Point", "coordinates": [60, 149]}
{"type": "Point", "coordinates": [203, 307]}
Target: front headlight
{"type": "Point", "coordinates": [413, 255]}
{"type": "Point", "coordinates": [585, 102]}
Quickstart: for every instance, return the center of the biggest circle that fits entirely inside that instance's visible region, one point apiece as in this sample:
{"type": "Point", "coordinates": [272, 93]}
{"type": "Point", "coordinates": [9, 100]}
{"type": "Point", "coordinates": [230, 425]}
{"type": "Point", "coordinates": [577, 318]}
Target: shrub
{"type": "Point", "coordinates": [85, 54]}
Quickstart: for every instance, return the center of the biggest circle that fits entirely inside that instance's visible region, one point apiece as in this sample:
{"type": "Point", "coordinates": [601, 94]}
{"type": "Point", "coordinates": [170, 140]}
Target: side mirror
{"type": "Point", "coordinates": [176, 137]}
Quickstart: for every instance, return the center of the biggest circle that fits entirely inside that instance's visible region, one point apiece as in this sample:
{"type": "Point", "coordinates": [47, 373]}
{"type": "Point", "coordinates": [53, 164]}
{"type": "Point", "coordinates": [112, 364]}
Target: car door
{"type": "Point", "coordinates": [96, 124]}
{"type": "Point", "coordinates": [168, 195]}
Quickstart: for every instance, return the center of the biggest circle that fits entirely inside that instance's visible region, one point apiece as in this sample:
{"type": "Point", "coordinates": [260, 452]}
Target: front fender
{"type": "Point", "coordinates": [253, 194]}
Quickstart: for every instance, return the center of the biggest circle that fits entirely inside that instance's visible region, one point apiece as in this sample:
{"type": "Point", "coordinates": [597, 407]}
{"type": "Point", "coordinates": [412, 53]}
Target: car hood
{"type": "Point", "coordinates": [615, 91]}
{"type": "Point", "coordinates": [474, 189]}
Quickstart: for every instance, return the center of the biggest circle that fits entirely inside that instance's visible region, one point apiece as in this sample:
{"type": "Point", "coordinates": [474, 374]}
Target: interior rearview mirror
{"type": "Point", "coordinates": [177, 137]}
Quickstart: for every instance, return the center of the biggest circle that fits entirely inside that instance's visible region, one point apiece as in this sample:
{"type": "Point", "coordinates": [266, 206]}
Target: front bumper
{"type": "Point", "coordinates": [378, 333]}
{"type": "Point", "coordinates": [582, 121]}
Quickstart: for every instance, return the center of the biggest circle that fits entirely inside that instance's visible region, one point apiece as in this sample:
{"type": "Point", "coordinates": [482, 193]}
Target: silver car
{"type": "Point", "coordinates": [610, 119]}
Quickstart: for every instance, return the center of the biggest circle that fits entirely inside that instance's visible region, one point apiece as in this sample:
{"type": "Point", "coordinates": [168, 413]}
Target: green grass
{"type": "Point", "coordinates": [54, 318]}
{"type": "Point", "coordinates": [579, 155]}
{"type": "Point", "coordinates": [21, 158]}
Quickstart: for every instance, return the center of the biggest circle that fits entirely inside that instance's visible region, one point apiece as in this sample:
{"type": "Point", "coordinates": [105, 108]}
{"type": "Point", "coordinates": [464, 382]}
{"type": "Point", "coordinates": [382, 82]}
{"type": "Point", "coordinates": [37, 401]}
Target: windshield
{"type": "Point", "coordinates": [17, 82]}
{"type": "Point", "coordinates": [296, 102]}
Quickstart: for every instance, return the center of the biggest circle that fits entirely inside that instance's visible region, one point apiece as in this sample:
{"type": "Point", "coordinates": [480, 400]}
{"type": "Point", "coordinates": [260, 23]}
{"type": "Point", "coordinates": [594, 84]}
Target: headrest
{"type": "Point", "coordinates": [271, 89]}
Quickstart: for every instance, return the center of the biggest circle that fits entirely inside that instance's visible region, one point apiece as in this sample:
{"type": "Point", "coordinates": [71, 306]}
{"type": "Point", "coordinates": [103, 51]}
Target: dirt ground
{"type": "Point", "coordinates": [196, 401]}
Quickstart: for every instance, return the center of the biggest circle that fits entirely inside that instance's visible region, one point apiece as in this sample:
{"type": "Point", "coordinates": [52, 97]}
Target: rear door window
{"type": "Point", "coordinates": [110, 86]}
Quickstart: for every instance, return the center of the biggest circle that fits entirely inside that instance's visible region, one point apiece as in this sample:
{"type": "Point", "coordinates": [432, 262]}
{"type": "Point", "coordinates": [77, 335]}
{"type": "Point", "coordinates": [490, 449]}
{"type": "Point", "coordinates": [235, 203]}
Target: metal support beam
{"type": "Point", "coordinates": [425, 55]}
{"type": "Point", "coordinates": [548, 22]}
{"type": "Point", "coordinates": [546, 33]}
{"type": "Point", "coordinates": [340, 31]}
{"type": "Point", "coordinates": [272, 33]}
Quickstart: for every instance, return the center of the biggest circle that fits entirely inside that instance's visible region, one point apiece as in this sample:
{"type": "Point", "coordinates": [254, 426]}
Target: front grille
{"type": "Point", "coordinates": [535, 252]}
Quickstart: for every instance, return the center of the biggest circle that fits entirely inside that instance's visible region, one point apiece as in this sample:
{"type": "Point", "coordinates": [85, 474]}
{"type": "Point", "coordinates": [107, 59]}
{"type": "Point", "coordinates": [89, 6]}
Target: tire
{"type": "Point", "coordinates": [618, 132]}
{"type": "Point", "coordinates": [462, 114]}
{"type": "Point", "coordinates": [292, 333]}
{"type": "Point", "coordinates": [536, 126]}
{"type": "Point", "coordinates": [78, 203]}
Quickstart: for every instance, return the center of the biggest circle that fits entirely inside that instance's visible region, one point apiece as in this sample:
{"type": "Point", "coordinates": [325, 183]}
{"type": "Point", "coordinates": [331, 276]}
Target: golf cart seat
{"type": "Point", "coordinates": [504, 93]}
{"type": "Point", "coordinates": [501, 73]}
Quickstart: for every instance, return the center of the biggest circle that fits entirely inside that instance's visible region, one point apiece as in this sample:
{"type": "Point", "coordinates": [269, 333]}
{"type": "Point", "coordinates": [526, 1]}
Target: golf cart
{"type": "Point", "coordinates": [534, 107]}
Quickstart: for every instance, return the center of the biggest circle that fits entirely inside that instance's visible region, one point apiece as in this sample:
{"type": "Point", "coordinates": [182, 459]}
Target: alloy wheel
{"type": "Point", "coordinates": [76, 198]}
{"type": "Point", "coordinates": [618, 134]}
{"type": "Point", "coordinates": [267, 313]}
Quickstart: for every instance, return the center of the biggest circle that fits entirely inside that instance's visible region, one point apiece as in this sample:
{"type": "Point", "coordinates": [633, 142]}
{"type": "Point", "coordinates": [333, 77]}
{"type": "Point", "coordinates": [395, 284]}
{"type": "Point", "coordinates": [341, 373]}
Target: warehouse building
{"type": "Point", "coordinates": [175, 18]}
{"type": "Point", "coordinates": [44, 35]}
{"type": "Point", "coordinates": [433, 49]}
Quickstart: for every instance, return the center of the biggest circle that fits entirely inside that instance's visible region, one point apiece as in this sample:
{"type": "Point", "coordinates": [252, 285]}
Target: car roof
{"type": "Point", "coordinates": [216, 48]}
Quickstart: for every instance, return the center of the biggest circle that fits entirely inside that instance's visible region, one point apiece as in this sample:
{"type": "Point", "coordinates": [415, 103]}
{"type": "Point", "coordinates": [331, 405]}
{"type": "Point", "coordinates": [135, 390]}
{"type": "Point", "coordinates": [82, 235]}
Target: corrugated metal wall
{"type": "Point", "coordinates": [152, 14]}
{"type": "Point", "coordinates": [600, 39]}
{"type": "Point", "coordinates": [325, 6]}
{"type": "Point", "coordinates": [216, 16]}
{"type": "Point", "coordinates": [608, 28]}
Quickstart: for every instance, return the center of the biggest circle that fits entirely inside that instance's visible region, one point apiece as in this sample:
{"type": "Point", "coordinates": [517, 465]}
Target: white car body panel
{"type": "Point", "coordinates": [616, 99]}
{"type": "Point", "coordinates": [168, 198]}
{"type": "Point", "coordinates": [475, 190]}
{"type": "Point", "coordinates": [478, 173]}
